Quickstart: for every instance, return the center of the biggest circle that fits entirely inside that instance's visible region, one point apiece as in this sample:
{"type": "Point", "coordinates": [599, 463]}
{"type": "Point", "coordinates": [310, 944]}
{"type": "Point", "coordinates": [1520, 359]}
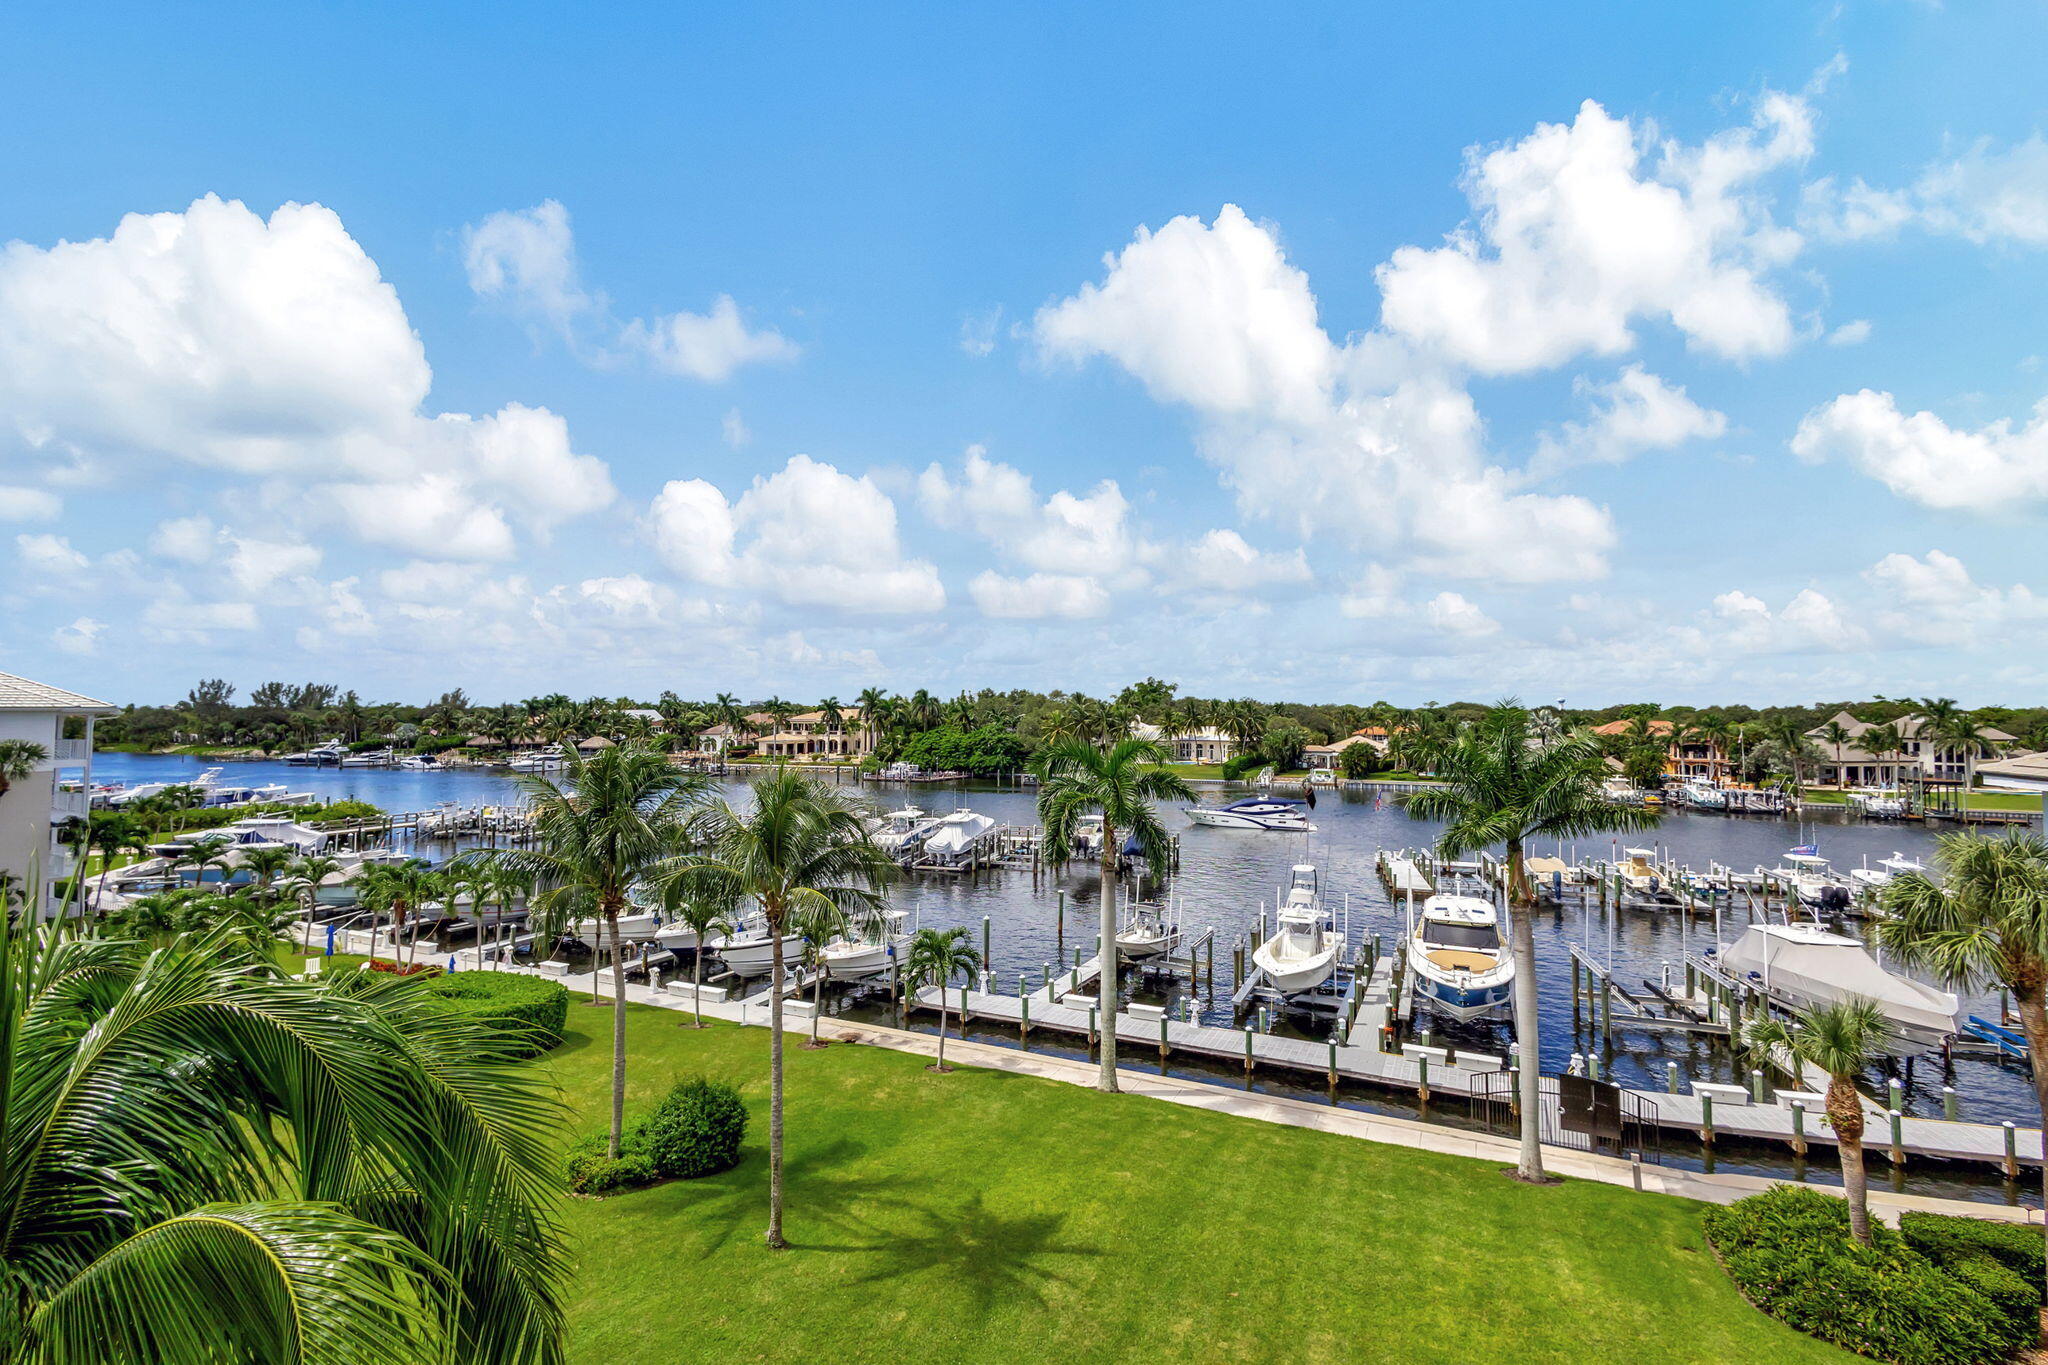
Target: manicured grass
{"type": "Point", "coordinates": [980, 1216]}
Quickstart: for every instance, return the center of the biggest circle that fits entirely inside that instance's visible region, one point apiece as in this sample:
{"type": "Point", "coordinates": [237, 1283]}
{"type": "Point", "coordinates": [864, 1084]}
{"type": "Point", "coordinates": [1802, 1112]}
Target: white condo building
{"type": "Point", "coordinates": [34, 808]}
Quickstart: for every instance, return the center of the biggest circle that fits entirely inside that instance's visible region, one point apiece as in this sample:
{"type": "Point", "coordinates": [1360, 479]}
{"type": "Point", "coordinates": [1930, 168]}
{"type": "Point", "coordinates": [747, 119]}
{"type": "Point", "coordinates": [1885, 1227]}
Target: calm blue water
{"type": "Point", "coordinates": [1226, 876]}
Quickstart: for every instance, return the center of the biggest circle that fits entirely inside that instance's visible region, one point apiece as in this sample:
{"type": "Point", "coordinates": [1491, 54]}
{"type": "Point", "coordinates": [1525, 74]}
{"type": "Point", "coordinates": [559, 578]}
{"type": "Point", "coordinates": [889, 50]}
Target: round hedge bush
{"type": "Point", "coordinates": [695, 1130]}
{"type": "Point", "coordinates": [1790, 1251]}
{"type": "Point", "coordinates": [532, 1009]}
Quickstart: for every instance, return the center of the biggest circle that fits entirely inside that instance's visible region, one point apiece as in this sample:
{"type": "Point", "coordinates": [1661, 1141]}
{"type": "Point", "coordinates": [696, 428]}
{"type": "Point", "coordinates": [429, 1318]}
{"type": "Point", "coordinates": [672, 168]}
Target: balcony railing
{"type": "Point", "coordinates": [72, 804]}
{"type": "Point", "coordinates": [70, 751]}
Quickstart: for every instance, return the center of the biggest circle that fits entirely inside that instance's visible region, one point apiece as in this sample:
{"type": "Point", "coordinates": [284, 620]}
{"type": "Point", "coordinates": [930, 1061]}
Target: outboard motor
{"type": "Point", "coordinates": [1834, 900]}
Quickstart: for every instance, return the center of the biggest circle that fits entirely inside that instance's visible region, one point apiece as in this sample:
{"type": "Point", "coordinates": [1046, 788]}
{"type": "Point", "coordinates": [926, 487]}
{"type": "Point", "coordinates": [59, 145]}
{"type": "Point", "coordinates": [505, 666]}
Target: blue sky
{"type": "Point", "coordinates": [1606, 352]}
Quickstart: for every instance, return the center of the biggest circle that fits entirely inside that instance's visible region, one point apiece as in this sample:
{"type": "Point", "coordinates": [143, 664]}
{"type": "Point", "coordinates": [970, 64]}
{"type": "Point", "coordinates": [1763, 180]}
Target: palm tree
{"type": "Point", "coordinates": [209, 1162]}
{"type": "Point", "coordinates": [1966, 736]}
{"type": "Point", "coordinates": [615, 819]}
{"type": "Point", "coordinates": [265, 866]}
{"type": "Point", "coordinates": [1121, 782]}
{"type": "Point", "coordinates": [1985, 920]}
{"type": "Point", "coordinates": [1841, 1039]}
{"type": "Point", "coordinates": [801, 845]}
{"type": "Point", "coordinates": [936, 957]}
{"type": "Point", "coordinates": [1503, 786]}
{"type": "Point", "coordinates": [202, 856]}
{"type": "Point", "coordinates": [872, 706]}
{"type": "Point", "coordinates": [19, 758]}
{"type": "Point", "coordinates": [1791, 739]}
{"type": "Point", "coordinates": [1836, 736]}
{"type": "Point", "coordinates": [704, 918]}
{"type": "Point", "coordinates": [307, 874]}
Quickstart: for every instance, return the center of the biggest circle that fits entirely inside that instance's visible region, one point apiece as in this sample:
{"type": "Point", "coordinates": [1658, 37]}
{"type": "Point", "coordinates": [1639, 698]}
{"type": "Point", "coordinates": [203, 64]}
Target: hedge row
{"type": "Point", "coordinates": [1790, 1251]}
{"type": "Point", "coordinates": [532, 1009]}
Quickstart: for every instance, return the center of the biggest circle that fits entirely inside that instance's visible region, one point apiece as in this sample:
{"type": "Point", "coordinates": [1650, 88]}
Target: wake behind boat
{"type": "Point", "coordinates": [1254, 812]}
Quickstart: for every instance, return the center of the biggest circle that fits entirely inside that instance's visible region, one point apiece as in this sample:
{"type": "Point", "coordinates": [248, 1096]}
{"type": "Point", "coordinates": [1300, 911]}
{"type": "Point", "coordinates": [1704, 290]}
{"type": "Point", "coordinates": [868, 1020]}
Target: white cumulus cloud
{"type": "Point", "coordinates": [1921, 457]}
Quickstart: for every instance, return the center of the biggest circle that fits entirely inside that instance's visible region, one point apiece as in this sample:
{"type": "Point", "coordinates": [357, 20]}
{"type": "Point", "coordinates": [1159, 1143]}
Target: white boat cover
{"type": "Point", "coordinates": [1806, 964]}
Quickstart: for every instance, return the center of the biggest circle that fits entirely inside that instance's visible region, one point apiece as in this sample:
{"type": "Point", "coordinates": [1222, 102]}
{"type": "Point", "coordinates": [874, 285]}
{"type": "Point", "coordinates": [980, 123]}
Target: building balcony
{"type": "Point", "coordinates": [67, 805]}
{"type": "Point", "coordinates": [70, 751]}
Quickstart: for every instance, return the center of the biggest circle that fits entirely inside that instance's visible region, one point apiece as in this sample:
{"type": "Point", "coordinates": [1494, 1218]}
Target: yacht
{"type": "Point", "coordinates": [1801, 966]}
{"type": "Point", "coordinates": [1087, 839]}
{"type": "Point", "coordinates": [142, 791]}
{"type": "Point", "coordinates": [1813, 880]}
{"type": "Point", "coordinates": [1254, 812]}
{"type": "Point", "coordinates": [957, 839]}
{"type": "Point", "coordinates": [370, 758]}
{"type": "Point", "coordinates": [1621, 792]}
{"type": "Point", "coordinates": [1461, 967]}
{"type": "Point", "coordinates": [419, 763]}
{"type": "Point", "coordinates": [902, 831]}
{"type": "Point", "coordinates": [1302, 953]}
{"type": "Point", "coordinates": [333, 751]}
{"type": "Point", "coordinates": [750, 949]}
{"type": "Point", "coordinates": [867, 945]}
{"type": "Point", "coordinates": [546, 760]}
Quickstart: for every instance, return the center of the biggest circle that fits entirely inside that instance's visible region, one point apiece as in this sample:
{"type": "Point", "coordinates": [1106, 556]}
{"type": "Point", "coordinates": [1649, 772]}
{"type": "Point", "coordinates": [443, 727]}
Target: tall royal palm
{"type": "Point", "coordinates": [205, 1161]}
{"type": "Point", "coordinates": [1120, 781]}
{"type": "Point", "coordinates": [800, 848]}
{"type": "Point", "coordinates": [1503, 785]}
{"type": "Point", "coordinates": [1984, 920]}
{"type": "Point", "coordinates": [615, 819]}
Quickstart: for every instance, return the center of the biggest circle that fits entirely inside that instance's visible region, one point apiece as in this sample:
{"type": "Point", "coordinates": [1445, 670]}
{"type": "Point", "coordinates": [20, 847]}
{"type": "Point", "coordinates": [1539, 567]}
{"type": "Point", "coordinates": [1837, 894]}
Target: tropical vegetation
{"type": "Point", "coordinates": [1840, 1039]}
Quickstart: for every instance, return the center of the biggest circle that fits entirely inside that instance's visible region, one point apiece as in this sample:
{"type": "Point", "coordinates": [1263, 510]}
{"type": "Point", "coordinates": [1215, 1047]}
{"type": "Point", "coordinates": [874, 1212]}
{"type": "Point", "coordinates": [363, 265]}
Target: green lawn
{"type": "Point", "coordinates": [980, 1216]}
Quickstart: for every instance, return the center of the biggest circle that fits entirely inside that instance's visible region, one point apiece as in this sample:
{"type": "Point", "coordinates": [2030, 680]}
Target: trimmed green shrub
{"type": "Point", "coordinates": [2018, 1302]}
{"type": "Point", "coordinates": [1790, 1252]}
{"type": "Point", "coordinates": [592, 1172]}
{"type": "Point", "coordinates": [695, 1130]}
{"type": "Point", "coordinates": [1944, 1238]}
{"type": "Point", "coordinates": [1237, 765]}
{"type": "Point", "coordinates": [532, 1009]}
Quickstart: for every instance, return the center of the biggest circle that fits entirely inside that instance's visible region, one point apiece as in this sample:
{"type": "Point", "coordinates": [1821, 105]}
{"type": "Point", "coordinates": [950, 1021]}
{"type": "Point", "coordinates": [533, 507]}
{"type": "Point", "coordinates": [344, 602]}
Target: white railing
{"type": "Point", "coordinates": [69, 803]}
{"type": "Point", "coordinates": [70, 751]}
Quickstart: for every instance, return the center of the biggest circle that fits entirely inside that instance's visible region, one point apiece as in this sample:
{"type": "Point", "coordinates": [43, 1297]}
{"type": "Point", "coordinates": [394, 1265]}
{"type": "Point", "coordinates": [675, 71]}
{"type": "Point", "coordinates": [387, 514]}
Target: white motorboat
{"type": "Point", "coordinates": [750, 949]}
{"type": "Point", "coordinates": [1887, 868]}
{"type": "Point", "coordinates": [333, 751]}
{"type": "Point", "coordinates": [1302, 953]}
{"type": "Point", "coordinates": [957, 838]}
{"type": "Point", "coordinates": [419, 763]}
{"type": "Point", "coordinates": [142, 791]}
{"type": "Point", "coordinates": [1148, 931]}
{"type": "Point", "coordinates": [1638, 871]}
{"type": "Point", "coordinates": [902, 831]}
{"type": "Point", "coordinates": [1815, 883]}
{"type": "Point", "coordinates": [866, 947]}
{"type": "Point", "coordinates": [370, 758]}
{"type": "Point", "coordinates": [1461, 967]}
{"type": "Point", "coordinates": [1087, 839]}
{"type": "Point", "coordinates": [540, 761]}
{"type": "Point", "coordinates": [1803, 966]}
{"type": "Point", "coordinates": [1254, 812]}
{"type": "Point", "coordinates": [633, 925]}
{"type": "Point", "coordinates": [1705, 796]}
{"type": "Point", "coordinates": [1622, 792]}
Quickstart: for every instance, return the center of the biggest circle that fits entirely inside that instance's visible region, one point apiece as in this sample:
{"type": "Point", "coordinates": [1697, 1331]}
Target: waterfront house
{"type": "Point", "coordinates": [810, 734]}
{"type": "Point", "coordinates": [1206, 745]}
{"type": "Point", "coordinates": [1919, 755]}
{"type": "Point", "coordinates": [716, 739]}
{"type": "Point", "coordinates": [2018, 773]}
{"type": "Point", "coordinates": [1688, 757]}
{"type": "Point", "coordinates": [1329, 755]}
{"type": "Point", "coordinates": [36, 808]}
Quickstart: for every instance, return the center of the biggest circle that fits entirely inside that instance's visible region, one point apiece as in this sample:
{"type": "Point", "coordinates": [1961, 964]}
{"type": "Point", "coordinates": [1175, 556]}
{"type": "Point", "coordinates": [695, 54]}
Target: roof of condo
{"type": "Point", "coordinates": [22, 694]}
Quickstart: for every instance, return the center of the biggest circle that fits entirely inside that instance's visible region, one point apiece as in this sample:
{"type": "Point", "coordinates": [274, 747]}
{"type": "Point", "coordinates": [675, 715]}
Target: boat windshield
{"type": "Point", "coordinates": [1437, 934]}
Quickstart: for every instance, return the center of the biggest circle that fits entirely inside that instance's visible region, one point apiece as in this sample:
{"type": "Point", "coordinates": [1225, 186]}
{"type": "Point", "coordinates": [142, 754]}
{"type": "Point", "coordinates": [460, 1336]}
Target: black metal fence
{"type": "Point", "coordinates": [1576, 1112]}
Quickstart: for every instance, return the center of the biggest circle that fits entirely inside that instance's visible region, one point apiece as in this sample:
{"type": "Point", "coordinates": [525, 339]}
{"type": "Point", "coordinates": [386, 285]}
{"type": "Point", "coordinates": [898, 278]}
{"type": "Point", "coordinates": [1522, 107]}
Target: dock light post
{"type": "Point", "coordinates": [1045, 970]}
{"type": "Point", "coordinates": [1422, 1078]}
{"type": "Point", "coordinates": [1799, 1127]}
{"type": "Point", "coordinates": [1756, 1085]}
{"type": "Point", "coordinates": [1671, 1078]}
{"type": "Point", "coordinates": [2012, 1151]}
{"type": "Point", "coordinates": [1023, 1010]}
{"type": "Point", "coordinates": [1950, 1109]}
{"type": "Point", "coordinates": [1898, 1143]}
{"type": "Point", "coordinates": [1333, 1060]}
{"type": "Point", "coordinates": [1091, 1025]}
{"type": "Point", "coordinates": [1707, 1118]}
{"type": "Point", "coordinates": [1898, 1093]}
{"type": "Point", "coordinates": [1162, 1035]}
{"type": "Point", "coordinates": [984, 938]}
{"type": "Point", "coordinates": [1247, 1051]}
{"type": "Point", "coordinates": [1593, 1065]}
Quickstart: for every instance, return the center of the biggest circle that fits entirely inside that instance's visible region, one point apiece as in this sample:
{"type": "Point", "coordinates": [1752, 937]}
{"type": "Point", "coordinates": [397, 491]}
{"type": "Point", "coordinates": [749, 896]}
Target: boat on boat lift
{"type": "Point", "coordinates": [1887, 868]}
{"type": "Point", "coordinates": [1461, 967]}
{"type": "Point", "coordinates": [866, 947]}
{"type": "Point", "coordinates": [1149, 930]}
{"type": "Point", "coordinates": [750, 949]}
{"type": "Point", "coordinates": [1302, 952]}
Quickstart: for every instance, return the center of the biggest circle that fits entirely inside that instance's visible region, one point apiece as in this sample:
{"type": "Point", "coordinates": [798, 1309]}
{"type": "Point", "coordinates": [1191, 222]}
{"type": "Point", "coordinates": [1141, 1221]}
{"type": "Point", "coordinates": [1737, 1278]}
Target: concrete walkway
{"type": "Point", "coordinates": [1716, 1188]}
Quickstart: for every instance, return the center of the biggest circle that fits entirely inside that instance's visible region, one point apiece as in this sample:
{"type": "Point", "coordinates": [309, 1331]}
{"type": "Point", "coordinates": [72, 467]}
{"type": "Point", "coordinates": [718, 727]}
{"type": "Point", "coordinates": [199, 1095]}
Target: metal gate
{"type": "Point", "coordinates": [1577, 1112]}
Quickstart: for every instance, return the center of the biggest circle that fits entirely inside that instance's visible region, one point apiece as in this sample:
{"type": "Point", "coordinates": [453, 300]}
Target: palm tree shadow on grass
{"type": "Point", "coordinates": [736, 1201]}
{"type": "Point", "coordinates": [984, 1253]}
